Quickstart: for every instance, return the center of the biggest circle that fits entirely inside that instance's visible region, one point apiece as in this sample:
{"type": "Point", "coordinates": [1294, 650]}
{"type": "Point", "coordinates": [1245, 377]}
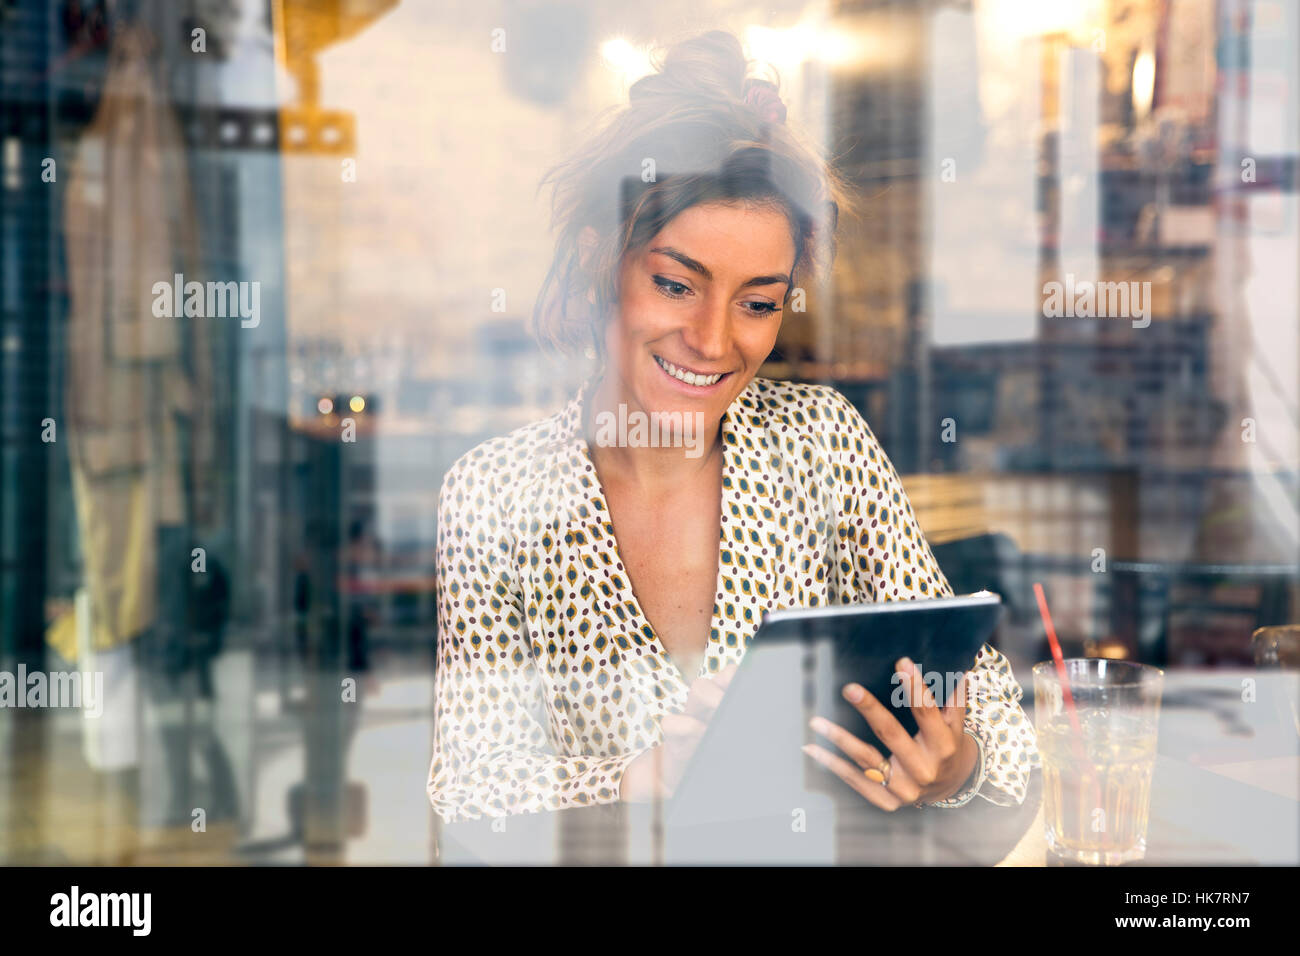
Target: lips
{"type": "Point", "coordinates": [689, 377]}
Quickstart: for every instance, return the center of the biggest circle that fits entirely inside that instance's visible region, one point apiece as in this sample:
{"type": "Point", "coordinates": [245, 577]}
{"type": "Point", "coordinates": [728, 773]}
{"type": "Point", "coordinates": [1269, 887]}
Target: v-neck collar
{"type": "Point", "coordinates": [752, 540]}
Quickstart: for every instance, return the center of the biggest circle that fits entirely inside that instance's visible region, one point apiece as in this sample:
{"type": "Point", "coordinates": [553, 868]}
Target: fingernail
{"type": "Point", "coordinates": [807, 748]}
{"type": "Point", "coordinates": [907, 664]}
{"type": "Point", "coordinates": [853, 693]}
{"type": "Point", "coordinates": [818, 725]}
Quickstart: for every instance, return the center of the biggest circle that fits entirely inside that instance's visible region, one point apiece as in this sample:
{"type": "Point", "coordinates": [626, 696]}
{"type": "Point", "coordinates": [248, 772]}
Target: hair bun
{"type": "Point", "coordinates": [711, 65]}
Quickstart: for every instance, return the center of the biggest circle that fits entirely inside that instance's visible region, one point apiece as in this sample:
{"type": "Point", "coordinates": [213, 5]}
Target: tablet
{"type": "Point", "coordinates": [941, 636]}
{"type": "Point", "coordinates": [749, 761]}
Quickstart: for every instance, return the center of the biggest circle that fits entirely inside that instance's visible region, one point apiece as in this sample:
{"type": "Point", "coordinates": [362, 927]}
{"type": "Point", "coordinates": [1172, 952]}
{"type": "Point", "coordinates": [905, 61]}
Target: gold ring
{"type": "Point", "coordinates": [880, 774]}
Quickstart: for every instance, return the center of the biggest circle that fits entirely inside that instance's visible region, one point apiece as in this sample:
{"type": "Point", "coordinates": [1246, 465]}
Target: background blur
{"type": "Point", "coordinates": [230, 517]}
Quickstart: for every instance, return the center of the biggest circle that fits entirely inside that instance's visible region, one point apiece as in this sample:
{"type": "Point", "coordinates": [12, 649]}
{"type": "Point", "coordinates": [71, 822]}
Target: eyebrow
{"type": "Point", "coordinates": [776, 278]}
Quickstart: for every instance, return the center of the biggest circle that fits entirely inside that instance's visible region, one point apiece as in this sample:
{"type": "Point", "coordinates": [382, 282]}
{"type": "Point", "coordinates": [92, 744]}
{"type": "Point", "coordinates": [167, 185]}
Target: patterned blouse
{"type": "Point", "coordinates": [550, 679]}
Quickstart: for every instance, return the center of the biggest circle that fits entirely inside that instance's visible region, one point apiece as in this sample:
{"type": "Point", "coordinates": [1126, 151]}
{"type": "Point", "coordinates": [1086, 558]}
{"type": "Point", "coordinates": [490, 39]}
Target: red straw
{"type": "Point", "coordinates": [1057, 656]}
{"type": "Point", "coordinates": [1076, 739]}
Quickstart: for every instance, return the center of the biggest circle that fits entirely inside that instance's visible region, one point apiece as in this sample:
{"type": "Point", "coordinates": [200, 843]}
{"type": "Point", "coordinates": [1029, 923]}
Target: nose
{"type": "Point", "coordinates": [709, 334]}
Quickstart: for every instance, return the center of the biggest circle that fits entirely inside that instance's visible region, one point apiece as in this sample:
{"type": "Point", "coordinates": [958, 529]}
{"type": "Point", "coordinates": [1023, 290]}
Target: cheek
{"type": "Point", "coordinates": [627, 332]}
{"type": "Point", "coordinates": [759, 342]}
{"type": "Point", "coordinates": [645, 316]}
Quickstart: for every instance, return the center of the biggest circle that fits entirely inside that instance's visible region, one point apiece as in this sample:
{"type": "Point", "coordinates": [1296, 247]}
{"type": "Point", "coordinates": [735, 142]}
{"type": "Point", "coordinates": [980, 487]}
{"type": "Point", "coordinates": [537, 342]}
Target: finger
{"type": "Point", "coordinates": [937, 738]}
{"type": "Point", "coordinates": [854, 777]}
{"type": "Point", "coordinates": [919, 756]}
{"type": "Point", "coordinates": [724, 676]}
{"type": "Point", "coordinates": [901, 783]}
{"type": "Point", "coordinates": [929, 720]}
{"type": "Point", "coordinates": [868, 757]}
{"type": "Point", "coordinates": [883, 722]}
{"type": "Point", "coordinates": [955, 712]}
{"type": "Point", "coordinates": [703, 698]}
{"type": "Point", "coordinates": [682, 725]}
{"type": "Point", "coordinates": [860, 751]}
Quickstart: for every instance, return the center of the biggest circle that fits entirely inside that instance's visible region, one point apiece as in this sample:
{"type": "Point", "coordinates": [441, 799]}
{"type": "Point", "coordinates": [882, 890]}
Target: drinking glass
{"type": "Point", "coordinates": [1096, 726]}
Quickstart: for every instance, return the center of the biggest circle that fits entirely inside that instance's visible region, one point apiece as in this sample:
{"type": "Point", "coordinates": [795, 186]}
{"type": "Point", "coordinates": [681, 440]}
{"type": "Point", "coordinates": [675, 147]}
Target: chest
{"type": "Point", "coordinates": [669, 549]}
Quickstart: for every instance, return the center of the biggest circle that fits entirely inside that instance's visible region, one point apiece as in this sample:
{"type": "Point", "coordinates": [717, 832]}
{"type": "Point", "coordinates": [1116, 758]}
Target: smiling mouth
{"type": "Point", "coordinates": [696, 379]}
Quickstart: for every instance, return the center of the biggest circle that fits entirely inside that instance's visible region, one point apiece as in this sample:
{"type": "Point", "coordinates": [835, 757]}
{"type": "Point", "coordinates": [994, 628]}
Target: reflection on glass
{"type": "Point", "coordinates": [1066, 309]}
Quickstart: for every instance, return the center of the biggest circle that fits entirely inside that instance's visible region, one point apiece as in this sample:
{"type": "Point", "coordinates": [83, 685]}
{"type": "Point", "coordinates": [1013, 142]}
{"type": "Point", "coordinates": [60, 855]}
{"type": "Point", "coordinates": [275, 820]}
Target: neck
{"type": "Point", "coordinates": [626, 441]}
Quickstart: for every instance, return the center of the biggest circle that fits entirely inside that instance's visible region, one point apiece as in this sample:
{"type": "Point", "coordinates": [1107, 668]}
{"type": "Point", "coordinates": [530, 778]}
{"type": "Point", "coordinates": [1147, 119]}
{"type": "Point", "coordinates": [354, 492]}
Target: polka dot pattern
{"type": "Point", "coordinates": [550, 679]}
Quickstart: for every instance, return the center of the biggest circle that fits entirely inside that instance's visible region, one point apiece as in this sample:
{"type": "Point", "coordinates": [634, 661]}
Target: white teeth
{"type": "Point", "coordinates": [690, 378]}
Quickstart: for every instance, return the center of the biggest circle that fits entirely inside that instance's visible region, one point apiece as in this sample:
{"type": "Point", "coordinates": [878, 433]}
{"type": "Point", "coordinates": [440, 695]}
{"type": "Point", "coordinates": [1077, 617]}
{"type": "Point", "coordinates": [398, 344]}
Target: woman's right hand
{"type": "Point", "coordinates": [656, 773]}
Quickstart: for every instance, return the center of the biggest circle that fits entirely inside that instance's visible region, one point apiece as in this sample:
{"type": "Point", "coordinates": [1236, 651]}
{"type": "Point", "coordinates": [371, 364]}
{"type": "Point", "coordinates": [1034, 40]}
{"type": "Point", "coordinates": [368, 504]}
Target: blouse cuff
{"type": "Point", "coordinates": [976, 780]}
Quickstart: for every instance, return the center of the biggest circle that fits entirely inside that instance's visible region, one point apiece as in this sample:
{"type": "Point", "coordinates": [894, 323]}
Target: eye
{"type": "Point", "coordinates": [763, 308]}
{"type": "Point", "coordinates": [671, 287]}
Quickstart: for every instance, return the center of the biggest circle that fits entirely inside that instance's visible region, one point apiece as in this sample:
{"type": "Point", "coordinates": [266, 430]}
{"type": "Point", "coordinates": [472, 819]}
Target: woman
{"type": "Point", "coordinates": [596, 593]}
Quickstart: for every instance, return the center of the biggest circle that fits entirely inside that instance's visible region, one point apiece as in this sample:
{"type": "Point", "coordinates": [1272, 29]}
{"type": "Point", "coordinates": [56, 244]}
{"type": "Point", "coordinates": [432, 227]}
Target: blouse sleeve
{"type": "Point", "coordinates": [890, 560]}
{"type": "Point", "coordinates": [491, 752]}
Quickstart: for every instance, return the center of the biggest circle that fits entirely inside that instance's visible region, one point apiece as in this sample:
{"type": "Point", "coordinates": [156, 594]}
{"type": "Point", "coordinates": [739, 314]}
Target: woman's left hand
{"type": "Point", "coordinates": [928, 767]}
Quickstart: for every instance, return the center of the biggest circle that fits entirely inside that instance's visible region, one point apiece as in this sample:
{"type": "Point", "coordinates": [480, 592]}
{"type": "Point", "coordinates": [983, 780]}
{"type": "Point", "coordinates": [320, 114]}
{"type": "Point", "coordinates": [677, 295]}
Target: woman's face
{"type": "Point", "coordinates": [699, 309]}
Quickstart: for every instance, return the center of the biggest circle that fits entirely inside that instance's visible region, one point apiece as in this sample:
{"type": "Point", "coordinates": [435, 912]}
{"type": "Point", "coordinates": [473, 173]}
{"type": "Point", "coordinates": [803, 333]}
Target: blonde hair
{"type": "Point", "coordinates": [707, 144]}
